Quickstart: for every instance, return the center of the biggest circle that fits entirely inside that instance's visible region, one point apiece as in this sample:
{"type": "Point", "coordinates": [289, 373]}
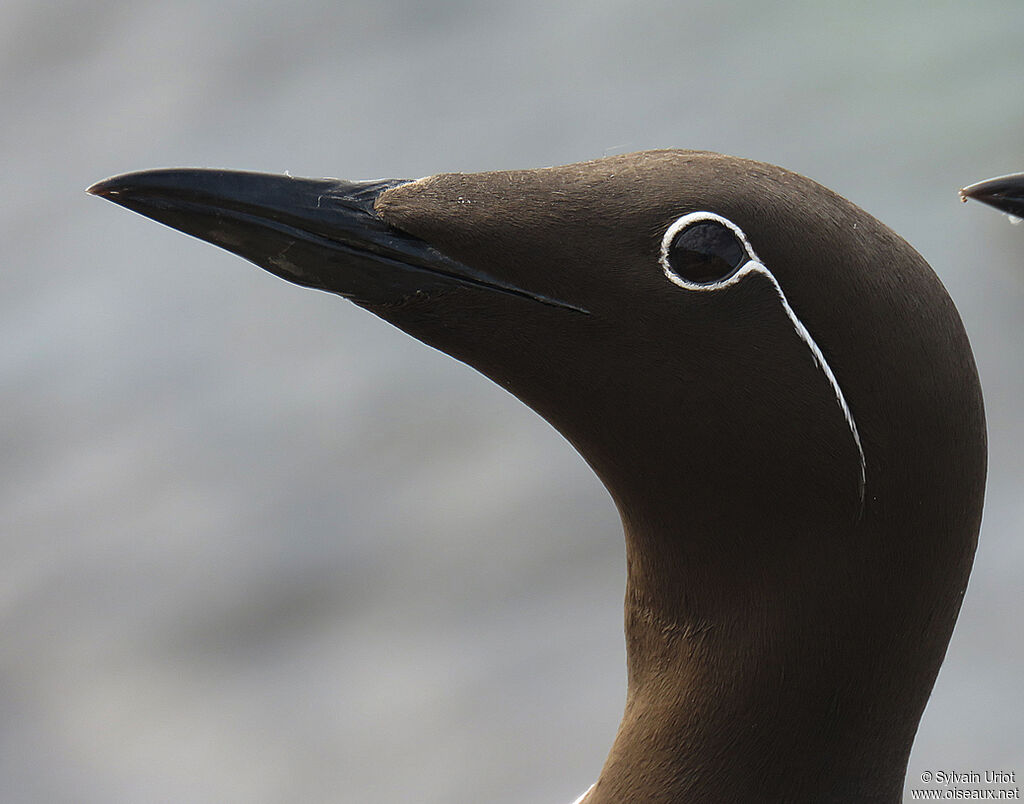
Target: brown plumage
{"type": "Point", "coordinates": [784, 626]}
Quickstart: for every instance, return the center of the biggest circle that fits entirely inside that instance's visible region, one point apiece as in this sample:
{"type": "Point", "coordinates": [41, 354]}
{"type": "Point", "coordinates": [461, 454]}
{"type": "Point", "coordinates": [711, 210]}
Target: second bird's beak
{"type": "Point", "coordinates": [320, 233]}
{"type": "Point", "coordinates": [1005, 193]}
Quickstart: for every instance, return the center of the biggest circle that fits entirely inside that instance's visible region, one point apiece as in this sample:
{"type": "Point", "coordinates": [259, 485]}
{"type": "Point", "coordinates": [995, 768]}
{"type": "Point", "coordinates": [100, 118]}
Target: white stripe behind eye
{"type": "Point", "coordinates": [751, 266]}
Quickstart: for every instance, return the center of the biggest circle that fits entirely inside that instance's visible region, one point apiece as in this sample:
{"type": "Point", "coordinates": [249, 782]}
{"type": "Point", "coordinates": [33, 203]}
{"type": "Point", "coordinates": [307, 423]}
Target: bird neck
{"type": "Point", "coordinates": [747, 686]}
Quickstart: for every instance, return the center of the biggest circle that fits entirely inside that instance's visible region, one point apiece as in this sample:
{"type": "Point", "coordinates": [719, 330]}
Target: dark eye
{"type": "Point", "coordinates": [705, 252]}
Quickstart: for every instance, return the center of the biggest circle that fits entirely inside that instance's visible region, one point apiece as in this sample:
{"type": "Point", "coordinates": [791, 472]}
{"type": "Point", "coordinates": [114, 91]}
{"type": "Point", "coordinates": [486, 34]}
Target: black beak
{"type": "Point", "coordinates": [320, 233]}
{"type": "Point", "coordinates": [1005, 193]}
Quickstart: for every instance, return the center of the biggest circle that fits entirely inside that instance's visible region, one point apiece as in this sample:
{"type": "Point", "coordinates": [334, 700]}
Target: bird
{"type": "Point", "coordinates": [1005, 193]}
{"type": "Point", "coordinates": [775, 389]}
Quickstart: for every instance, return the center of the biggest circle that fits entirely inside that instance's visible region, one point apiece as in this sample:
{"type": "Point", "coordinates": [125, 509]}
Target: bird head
{"type": "Point", "coordinates": [774, 387]}
{"type": "Point", "coordinates": [745, 358]}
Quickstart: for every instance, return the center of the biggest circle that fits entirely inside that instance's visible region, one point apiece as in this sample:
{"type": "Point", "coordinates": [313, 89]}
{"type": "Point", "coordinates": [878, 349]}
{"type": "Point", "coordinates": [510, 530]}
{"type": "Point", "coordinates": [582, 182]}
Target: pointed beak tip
{"type": "Point", "coordinates": [970, 191]}
{"type": "Point", "coordinates": [104, 188]}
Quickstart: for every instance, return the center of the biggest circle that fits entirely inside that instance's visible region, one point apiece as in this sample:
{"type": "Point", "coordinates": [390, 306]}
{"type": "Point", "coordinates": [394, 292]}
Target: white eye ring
{"type": "Point", "coordinates": [753, 265]}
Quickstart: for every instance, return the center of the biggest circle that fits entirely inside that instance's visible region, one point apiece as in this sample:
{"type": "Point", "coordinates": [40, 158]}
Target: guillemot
{"type": "Point", "coordinates": [1005, 193]}
{"type": "Point", "coordinates": [774, 387]}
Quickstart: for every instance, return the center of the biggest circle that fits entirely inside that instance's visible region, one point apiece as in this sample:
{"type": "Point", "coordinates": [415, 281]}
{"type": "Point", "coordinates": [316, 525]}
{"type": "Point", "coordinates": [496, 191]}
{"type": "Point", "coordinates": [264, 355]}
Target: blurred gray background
{"type": "Point", "coordinates": [260, 547]}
